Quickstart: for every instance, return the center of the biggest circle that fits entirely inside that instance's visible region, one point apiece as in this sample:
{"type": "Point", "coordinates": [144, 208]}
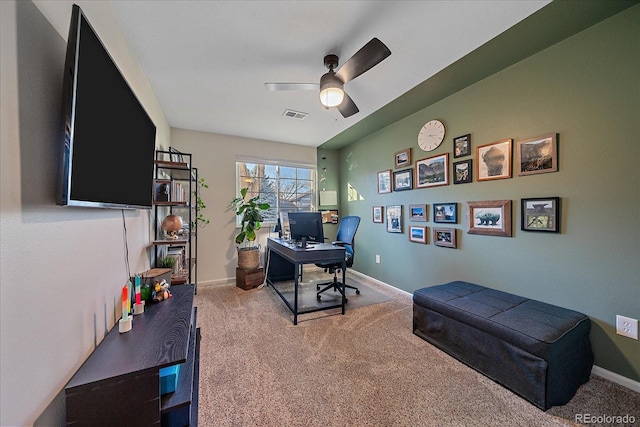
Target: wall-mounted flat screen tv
{"type": "Point", "coordinates": [109, 139]}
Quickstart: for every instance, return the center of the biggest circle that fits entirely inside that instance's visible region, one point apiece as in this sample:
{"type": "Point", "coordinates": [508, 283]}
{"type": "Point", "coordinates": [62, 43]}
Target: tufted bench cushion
{"type": "Point", "coordinates": [540, 351]}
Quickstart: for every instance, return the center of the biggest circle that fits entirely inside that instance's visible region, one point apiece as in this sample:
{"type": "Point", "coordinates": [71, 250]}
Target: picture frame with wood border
{"type": "Point", "coordinates": [432, 171]}
{"type": "Point", "coordinates": [537, 155]}
{"type": "Point", "coordinates": [402, 158]}
{"type": "Point", "coordinates": [494, 160]}
{"type": "Point", "coordinates": [490, 218]}
{"type": "Point", "coordinates": [394, 219]}
{"type": "Point", "coordinates": [445, 237]}
{"type": "Point", "coordinates": [418, 234]}
{"type": "Point", "coordinates": [384, 181]}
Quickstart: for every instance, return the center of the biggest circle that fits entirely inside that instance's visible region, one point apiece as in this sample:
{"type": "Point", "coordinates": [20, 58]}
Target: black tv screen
{"type": "Point", "coordinates": [109, 140]}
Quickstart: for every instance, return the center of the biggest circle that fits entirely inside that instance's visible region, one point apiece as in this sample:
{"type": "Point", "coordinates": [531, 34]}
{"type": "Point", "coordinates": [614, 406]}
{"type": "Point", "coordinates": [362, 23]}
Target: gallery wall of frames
{"type": "Point", "coordinates": [439, 223]}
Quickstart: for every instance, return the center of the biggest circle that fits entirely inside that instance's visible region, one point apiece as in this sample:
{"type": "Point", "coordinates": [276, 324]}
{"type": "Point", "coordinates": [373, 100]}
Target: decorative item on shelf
{"type": "Point", "coordinates": [125, 323]}
{"type": "Point", "coordinates": [172, 224]}
{"type": "Point", "coordinates": [250, 222]}
{"type": "Point", "coordinates": [161, 291]}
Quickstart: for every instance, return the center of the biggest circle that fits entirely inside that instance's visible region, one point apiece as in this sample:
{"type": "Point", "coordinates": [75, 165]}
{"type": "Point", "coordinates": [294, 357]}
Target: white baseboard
{"type": "Point", "coordinates": [616, 378]}
{"type": "Point", "coordinates": [596, 370]}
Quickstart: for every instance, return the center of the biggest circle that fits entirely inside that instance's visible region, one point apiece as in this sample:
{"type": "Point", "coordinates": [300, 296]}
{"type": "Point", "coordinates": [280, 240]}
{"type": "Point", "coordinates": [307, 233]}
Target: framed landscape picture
{"type": "Point", "coordinates": [432, 171]}
{"type": "Point", "coordinates": [384, 181]}
{"type": "Point", "coordinates": [394, 219]}
{"type": "Point", "coordinates": [418, 212]}
{"type": "Point", "coordinates": [403, 180]}
{"type": "Point", "coordinates": [537, 155]}
{"type": "Point", "coordinates": [491, 218]}
{"type": "Point", "coordinates": [378, 214]}
{"type": "Point", "coordinates": [444, 237]}
{"type": "Point", "coordinates": [494, 160]}
{"type": "Point", "coordinates": [445, 212]}
{"type": "Point", "coordinates": [463, 172]}
{"type": "Point", "coordinates": [540, 214]}
{"type": "Point", "coordinates": [418, 234]}
{"type": "Point", "coordinates": [403, 158]}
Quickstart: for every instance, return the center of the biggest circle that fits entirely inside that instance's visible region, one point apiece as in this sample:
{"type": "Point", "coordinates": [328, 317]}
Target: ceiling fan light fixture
{"type": "Point", "coordinates": [331, 92]}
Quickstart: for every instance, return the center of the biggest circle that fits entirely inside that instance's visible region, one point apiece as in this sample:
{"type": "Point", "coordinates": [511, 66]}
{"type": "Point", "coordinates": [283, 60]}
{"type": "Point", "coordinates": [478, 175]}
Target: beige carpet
{"type": "Point", "coordinates": [365, 368]}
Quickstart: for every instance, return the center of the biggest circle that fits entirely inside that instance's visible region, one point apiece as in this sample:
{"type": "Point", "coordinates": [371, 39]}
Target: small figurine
{"type": "Point", "coordinates": [161, 291]}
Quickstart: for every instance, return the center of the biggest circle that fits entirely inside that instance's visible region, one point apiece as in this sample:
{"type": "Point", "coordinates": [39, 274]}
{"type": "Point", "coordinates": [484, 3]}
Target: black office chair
{"type": "Point", "coordinates": [345, 238]}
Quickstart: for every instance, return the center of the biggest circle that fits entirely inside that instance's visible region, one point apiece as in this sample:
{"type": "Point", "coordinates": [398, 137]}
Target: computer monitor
{"type": "Point", "coordinates": [306, 224]}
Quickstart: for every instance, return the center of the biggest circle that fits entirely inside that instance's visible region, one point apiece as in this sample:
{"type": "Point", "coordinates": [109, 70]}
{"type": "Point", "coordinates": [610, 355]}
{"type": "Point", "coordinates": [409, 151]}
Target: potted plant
{"type": "Point", "coordinates": [200, 220]}
{"type": "Point", "coordinates": [251, 219]}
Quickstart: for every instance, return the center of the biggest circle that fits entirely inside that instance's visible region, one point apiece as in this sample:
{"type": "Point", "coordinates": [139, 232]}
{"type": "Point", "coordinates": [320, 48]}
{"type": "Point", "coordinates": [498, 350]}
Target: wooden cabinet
{"type": "Point", "coordinates": [175, 188]}
{"type": "Point", "coordinates": [119, 384]}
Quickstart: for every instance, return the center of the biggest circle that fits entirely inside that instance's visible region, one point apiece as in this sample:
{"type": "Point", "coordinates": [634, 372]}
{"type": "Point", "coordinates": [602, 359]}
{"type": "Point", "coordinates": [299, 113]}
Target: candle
{"type": "Point", "coordinates": [138, 289]}
{"type": "Point", "coordinates": [125, 303]}
{"type": "Point", "coordinates": [129, 295]}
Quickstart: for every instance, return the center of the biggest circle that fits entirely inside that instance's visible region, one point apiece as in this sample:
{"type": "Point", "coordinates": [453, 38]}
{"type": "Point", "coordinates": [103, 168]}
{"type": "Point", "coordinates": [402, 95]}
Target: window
{"type": "Point", "coordinates": [285, 187]}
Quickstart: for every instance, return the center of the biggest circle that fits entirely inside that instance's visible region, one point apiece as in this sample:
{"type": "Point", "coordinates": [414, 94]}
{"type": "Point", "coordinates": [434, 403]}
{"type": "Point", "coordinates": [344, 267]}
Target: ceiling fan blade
{"type": "Point", "coordinates": [292, 86]}
{"type": "Point", "coordinates": [347, 107]}
{"type": "Point", "coordinates": [370, 55]}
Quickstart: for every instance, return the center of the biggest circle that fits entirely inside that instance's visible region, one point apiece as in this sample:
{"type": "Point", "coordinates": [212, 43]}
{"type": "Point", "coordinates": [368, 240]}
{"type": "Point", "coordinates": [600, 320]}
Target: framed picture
{"type": "Point", "coordinates": [330, 216]}
{"type": "Point", "coordinates": [394, 219]}
{"type": "Point", "coordinates": [541, 214]}
{"type": "Point", "coordinates": [175, 155]}
{"type": "Point", "coordinates": [463, 172]}
{"type": "Point", "coordinates": [462, 146]}
{"type": "Point", "coordinates": [445, 212]}
{"type": "Point", "coordinates": [537, 155]}
{"type": "Point", "coordinates": [384, 181]}
{"type": "Point", "coordinates": [418, 234]}
{"type": "Point", "coordinates": [403, 180]}
{"type": "Point", "coordinates": [494, 160]}
{"type": "Point", "coordinates": [491, 218]}
{"type": "Point", "coordinates": [403, 158]}
{"type": "Point", "coordinates": [432, 171]}
{"type": "Point", "coordinates": [418, 212]}
{"type": "Point", "coordinates": [444, 237]}
{"type": "Point", "coordinates": [378, 214]}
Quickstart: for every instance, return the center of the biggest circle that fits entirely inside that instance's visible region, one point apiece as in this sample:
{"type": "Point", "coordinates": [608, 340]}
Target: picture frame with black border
{"type": "Point", "coordinates": [445, 237]}
{"type": "Point", "coordinates": [378, 214]}
{"type": "Point", "coordinates": [462, 146]}
{"type": "Point", "coordinates": [463, 171]}
{"type": "Point", "coordinates": [540, 214]}
{"type": "Point", "coordinates": [418, 233]}
{"type": "Point", "coordinates": [490, 218]}
{"type": "Point", "coordinates": [394, 219]}
{"type": "Point", "coordinates": [445, 213]}
{"type": "Point", "coordinates": [402, 158]}
{"type": "Point", "coordinates": [403, 180]}
{"type": "Point", "coordinates": [418, 212]}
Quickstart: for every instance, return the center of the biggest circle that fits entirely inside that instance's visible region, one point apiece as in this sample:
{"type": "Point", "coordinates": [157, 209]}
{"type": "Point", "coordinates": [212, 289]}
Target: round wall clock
{"type": "Point", "coordinates": [431, 135]}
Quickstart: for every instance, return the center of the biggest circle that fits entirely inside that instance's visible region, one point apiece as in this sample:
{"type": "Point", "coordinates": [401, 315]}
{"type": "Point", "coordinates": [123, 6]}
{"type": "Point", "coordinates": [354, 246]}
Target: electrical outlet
{"type": "Point", "coordinates": [377, 259]}
{"type": "Point", "coordinates": [627, 327]}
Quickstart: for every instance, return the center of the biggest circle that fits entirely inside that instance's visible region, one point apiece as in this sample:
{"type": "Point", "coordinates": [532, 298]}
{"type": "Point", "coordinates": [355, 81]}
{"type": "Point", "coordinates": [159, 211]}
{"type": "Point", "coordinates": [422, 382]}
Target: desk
{"type": "Point", "coordinates": [297, 256]}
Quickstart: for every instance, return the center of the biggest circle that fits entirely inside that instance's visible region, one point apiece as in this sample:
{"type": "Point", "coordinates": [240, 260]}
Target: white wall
{"type": "Point", "coordinates": [60, 268]}
{"type": "Point", "coordinates": [215, 157]}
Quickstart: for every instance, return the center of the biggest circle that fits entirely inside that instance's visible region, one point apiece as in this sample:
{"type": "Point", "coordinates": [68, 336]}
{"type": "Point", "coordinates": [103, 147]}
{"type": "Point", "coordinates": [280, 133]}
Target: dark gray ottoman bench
{"type": "Point", "coordinates": [540, 351]}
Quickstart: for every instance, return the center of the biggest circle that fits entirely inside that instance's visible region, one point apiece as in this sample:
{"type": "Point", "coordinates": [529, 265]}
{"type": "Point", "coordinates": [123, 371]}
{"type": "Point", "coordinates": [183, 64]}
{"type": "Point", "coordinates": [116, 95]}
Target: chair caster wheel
{"type": "Point", "coordinates": [357, 292]}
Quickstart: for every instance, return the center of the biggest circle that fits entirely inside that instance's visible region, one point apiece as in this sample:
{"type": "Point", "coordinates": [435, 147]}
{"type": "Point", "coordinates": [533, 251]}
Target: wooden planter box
{"type": "Point", "coordinates": [249, 279]}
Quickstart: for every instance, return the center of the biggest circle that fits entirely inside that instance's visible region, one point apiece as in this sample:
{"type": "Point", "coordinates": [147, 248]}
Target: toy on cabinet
{"type": "Point", "coordinates": [161, 291]}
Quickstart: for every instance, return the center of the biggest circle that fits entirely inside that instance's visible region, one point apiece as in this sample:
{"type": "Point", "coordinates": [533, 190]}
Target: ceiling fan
{"type": "Point", "coordinates": [332, 83]}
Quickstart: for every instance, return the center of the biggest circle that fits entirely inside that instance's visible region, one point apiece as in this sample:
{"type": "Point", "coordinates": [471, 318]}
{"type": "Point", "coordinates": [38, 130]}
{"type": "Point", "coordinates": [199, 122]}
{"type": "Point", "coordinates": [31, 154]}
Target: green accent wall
{"type": "Point", "coordinates": [587, 89]}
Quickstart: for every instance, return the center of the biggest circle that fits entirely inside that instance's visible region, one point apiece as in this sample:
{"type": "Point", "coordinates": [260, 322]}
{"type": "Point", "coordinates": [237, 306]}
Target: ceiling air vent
{"type": "Point", "coordinates": [295, 114]}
